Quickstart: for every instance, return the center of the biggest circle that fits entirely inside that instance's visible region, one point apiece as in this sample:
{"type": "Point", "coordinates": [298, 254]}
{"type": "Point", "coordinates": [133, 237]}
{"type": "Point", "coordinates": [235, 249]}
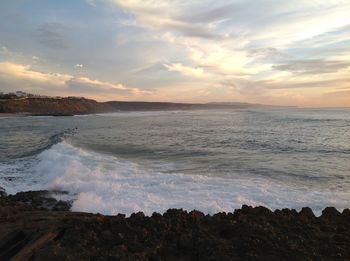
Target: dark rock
{"type": "Point", "coordinates": [330, 213]}
{"type": "Point", "coordinates": [33, 232]}
{"type": "Point", "coordinates": [138, 215]}
{"type": "Point", "coordinates": [2, 192]}
{"type": "Point", "coordinates": [196, 214]}
{"type": "Point", "coordinates": [12, 243]}
{"type": "Point", "coordinates": [39, 199]}
{"type": "Point", "coordinates": [62, 206]}
{"type": "Point", "coordinates": [346, 213]}
{"type": "Point", "coordinates": [306, 213]}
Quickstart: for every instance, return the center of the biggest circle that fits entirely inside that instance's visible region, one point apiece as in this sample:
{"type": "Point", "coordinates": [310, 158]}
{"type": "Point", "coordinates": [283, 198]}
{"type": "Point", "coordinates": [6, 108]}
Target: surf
{"type": "Point", "coordinates": [106, 184]}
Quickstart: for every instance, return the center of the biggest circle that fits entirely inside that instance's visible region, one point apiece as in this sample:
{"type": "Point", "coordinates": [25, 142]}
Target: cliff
{"type": "Point", "coordinates": [53, 106]}
{"type": "Point", "coordinates": [73, 105]}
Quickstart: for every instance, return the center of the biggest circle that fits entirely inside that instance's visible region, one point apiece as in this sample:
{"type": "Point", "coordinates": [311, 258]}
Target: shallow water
{"type": "Point", "coordinates": [208, 160]}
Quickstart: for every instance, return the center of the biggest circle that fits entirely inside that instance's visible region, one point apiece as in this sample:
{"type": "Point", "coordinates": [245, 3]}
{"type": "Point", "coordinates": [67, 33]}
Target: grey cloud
{"type": "Point", "coordinates": [311, 84]}
{"type": "Point", "coordinates": [207, 16]}
{"type": "Point", "coordinates": [314, 66]}
{"type": "Point", "coordinates": [188, 22]}
{"type": "Point", "coordinates": [190, 29]}
{"type": "Point", "coordinates": [198, 32]}
{"type": "Point", "coordinates": [53, 35]}
{"type": "Point", "coordinates": [268, 52]}
{"type": "Point", "coordinates": [246, 86]}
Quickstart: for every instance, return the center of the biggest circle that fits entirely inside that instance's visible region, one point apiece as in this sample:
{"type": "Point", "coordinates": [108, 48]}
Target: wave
{"type": "Point", "coordinates": [105, 184]}
{"type": "Point", "coordinates": [46, 144]}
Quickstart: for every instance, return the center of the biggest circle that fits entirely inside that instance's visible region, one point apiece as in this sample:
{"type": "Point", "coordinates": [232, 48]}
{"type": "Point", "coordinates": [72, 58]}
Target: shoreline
{"type": "Point", "coordinates": [8, 115]}
{"type": "Point", "coordinates": [36, 227]}
{"type": "Point", "coordinates": [23, 114]}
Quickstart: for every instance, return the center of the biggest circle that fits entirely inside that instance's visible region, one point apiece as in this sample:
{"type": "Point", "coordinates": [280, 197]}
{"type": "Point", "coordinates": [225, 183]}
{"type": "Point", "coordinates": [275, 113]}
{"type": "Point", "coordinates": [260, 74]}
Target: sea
{"type": "Point", "coordinates": [212, 161]}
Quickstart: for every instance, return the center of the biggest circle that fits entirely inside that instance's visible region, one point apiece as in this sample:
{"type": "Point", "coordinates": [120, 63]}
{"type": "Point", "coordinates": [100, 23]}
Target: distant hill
{"type": "Point", "coordinates": [155, 106]}
{"type": "Point", "coordinates": [36, 105]}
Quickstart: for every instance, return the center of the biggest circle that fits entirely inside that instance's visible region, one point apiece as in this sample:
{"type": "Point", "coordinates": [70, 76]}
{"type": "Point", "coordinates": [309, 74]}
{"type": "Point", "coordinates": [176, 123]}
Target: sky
{"type": "Point", "coordinates": [275, 52]}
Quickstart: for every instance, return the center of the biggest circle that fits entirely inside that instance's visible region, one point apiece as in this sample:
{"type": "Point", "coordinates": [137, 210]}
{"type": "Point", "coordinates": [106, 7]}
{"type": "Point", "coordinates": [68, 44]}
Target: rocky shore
{"type": "Point", "coordinates": [35, 226]}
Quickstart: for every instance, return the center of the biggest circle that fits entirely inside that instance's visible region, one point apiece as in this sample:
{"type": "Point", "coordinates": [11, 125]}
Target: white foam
{"type": "Point", "coordinates": [108, 185]}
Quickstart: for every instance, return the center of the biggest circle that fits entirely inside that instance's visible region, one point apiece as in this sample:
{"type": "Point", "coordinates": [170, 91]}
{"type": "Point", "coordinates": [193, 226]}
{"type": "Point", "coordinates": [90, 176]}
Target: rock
{"type": "Point", "coordinates": [29, 231]}
{"type": "Point", "coordinates": [2, 192]}
{"type": "Point", "coordinates": [138, 215]}
{"type": "Point", "coordinates": [40, 200]}
{"type": "Point", "coordinates": [62, 206]}
{"type": "Point", "coordinates": [330, 213]}
{"type": "Point", "coordinates": [306, 213]}
{"type": "Point", "coordinates": [346, 213]}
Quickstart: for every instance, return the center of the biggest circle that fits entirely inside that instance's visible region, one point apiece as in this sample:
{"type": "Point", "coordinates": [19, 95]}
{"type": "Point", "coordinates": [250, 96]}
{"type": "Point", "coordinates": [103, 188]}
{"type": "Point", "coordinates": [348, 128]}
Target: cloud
{"type": "Point", "coordinates": [10, 71]}
{"type": "Point", "coordinates": [328, 38]}
{"type": "Point", "coordinates": [185, 70]}
{"type": "Point", "coordinates": [315, 66]}
{"type": "Point", "coordinates": [329, 84]}
{"type": "Point", "coordinates": [210, 14]}
{"type": "Point", "coordinates": [17, 76]}
{"type": "Point", "coordinates": [100, 84]}
{"type": "Point", "coordinates": [79, 65]}
{"type": "Point", "coordinates": [267, 53]}
{"type": "Point", "coordinates": [167, 16]}
{"type": "Point", "coordinates": [91, 86]}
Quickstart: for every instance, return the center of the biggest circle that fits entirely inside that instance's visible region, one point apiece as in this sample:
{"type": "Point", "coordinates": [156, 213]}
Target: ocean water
{"type": "Point", "coordinates": [211, 161]}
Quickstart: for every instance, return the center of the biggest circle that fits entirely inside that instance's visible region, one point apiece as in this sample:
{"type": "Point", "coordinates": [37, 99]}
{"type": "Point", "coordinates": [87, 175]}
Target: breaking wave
{"type": "Point", "coordinates": [106, 184]}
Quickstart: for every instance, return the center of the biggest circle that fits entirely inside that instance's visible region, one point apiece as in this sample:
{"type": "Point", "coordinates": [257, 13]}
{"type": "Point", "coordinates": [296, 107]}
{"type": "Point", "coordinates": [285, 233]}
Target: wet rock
{"type": "Point", "coordinates": [2, 192]}
{"type": "Point", "coordinates": [39, 200]}
{"type": "Point", "coordinates": [62, 206]}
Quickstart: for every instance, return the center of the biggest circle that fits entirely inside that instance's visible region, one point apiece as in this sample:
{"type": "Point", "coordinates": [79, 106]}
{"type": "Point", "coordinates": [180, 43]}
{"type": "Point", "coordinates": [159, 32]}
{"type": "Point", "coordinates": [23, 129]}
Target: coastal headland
{"type": "Point", "coordinates": [35, 226]}
{"type": "Point", "coordinates": [68, 106]}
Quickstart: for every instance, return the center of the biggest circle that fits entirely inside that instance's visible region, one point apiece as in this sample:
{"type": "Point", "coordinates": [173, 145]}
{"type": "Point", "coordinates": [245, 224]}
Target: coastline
{"type": "Point", "coordinates": [23, 114]}
{"type": "Point", "coordinates": [8, 115]}
{"type": "Point", "coordinates": [36, 227]}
